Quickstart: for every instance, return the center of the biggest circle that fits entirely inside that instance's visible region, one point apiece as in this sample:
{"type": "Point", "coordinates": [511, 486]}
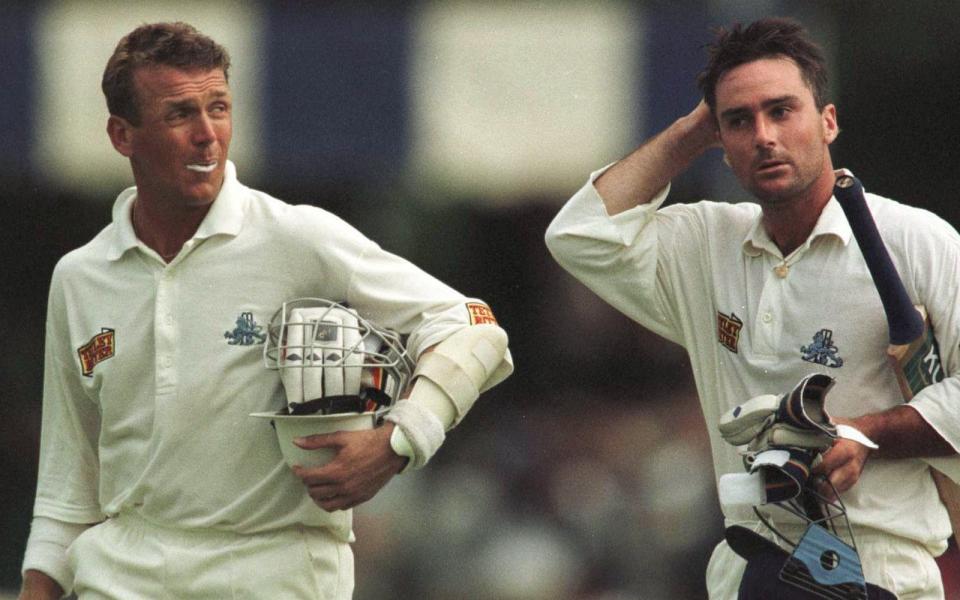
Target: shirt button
{"type": "Point", "coordinates": [767, 317]}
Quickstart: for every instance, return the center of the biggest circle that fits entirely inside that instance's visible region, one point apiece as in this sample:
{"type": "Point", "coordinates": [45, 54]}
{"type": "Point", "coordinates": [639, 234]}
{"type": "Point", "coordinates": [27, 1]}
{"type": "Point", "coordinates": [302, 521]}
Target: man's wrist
{"type": "Point", "coordinates": [691, 139]}
{"type": "Point", "coordinates": [37, 585]}
{"type": "Point", "coordinates": [400, 444]}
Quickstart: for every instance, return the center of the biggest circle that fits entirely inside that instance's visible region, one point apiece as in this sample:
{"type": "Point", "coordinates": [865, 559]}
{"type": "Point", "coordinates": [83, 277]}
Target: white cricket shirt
{"type": "Point", "coordinates": [152, 369]}
{"type": "Point", "coordinates": [708, 277]}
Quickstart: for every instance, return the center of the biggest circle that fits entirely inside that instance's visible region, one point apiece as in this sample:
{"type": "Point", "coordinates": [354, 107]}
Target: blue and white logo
{"type": "Point", "coordinates": [822, 351]}
{"type": "Point", "coordinates": [246, 332]}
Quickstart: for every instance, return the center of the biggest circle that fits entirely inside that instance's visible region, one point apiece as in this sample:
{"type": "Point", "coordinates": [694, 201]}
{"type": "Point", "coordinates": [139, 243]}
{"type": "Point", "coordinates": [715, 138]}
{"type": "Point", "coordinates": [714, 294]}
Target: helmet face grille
{"type": "Point", "coordinates": [324, 349]}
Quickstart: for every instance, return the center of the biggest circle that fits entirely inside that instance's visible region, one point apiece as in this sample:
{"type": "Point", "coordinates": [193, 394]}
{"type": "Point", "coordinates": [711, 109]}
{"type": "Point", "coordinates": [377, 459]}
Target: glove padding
{"type": "Point", "coordinates": [797, 418]}
{"type": "Point", "coordinates": [745, 421]}
{"type": "Point", "coordinates": [324, 354]}
{"type": "Point", "coordinates": [780, 435]}
{"type": "Point", "coordinates": [784, 471]}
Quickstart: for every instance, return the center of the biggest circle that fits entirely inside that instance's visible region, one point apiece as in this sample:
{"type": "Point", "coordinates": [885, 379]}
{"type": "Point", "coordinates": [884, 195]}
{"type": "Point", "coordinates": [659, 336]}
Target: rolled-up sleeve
{"type": "Point", "coordinates": [616, 257]}
{"type": "Point", "coordinates": [935, 268]}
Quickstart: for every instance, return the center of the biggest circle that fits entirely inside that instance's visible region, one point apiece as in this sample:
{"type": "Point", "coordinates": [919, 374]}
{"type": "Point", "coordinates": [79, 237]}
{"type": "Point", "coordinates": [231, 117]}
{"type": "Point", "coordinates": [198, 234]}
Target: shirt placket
{"type": "Point", "coordinates": [165, 332]}
{"type": "Point", "coordinates": [768, 325]}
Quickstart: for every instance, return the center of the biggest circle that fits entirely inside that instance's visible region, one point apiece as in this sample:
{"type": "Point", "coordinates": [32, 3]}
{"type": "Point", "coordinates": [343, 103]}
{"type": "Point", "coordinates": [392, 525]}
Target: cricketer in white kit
{"type": "Point", "coordinates": [762, 294]}
{"type": "Point", "coordinates": [154, 481]}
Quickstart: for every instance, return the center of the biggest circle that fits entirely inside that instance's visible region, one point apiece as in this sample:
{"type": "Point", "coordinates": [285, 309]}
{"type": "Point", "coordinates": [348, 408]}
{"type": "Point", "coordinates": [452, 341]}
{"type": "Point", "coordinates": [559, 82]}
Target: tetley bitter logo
{"type": "Point", "coordinates": [246, 332]}
{"type": "Point", "coordinates": [728, 330]}
{"type": "Point", "coordinates": [100, 347]}
{"type": "Point", "coordinates": [822, 351]}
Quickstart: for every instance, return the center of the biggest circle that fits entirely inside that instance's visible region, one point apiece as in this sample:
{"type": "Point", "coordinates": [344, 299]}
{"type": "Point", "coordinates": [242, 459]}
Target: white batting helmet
{"type": "Point", "coordinates": [340, 372]}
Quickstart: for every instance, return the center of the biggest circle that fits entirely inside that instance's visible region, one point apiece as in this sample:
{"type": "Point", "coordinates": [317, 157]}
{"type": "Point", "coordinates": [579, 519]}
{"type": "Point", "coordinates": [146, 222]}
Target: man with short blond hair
{"type": "Point", "coordinates": [154, 481]}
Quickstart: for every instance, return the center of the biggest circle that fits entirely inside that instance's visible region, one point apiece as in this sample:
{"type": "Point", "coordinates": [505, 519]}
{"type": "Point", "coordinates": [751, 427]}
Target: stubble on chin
{"type": "Point", "coordinates": [781, 194]}
{"type": "Point", "coordinates": [206, 194]}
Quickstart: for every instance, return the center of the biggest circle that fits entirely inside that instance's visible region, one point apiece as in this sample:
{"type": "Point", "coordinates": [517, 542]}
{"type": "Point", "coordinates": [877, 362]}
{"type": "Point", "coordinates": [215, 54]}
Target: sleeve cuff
{"type": "Point", "coordinates": [623, 227]}
{"type": "Point", "coordinates": [47, 549]}
{"type": "Point", "coordinates": [931, 412]}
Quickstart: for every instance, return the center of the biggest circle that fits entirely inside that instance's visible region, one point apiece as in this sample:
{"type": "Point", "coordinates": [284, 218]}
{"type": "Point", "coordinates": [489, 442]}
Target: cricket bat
{"type": "Point", "coordinates": [913, 352]}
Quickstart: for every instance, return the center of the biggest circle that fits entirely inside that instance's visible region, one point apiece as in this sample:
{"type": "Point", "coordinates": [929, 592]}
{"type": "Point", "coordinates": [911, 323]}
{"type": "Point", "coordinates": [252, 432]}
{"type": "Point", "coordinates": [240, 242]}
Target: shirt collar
{"type": "Point", "coordinates": [224, 218]}
{"type": "Point", "coordinates": [832, 221]}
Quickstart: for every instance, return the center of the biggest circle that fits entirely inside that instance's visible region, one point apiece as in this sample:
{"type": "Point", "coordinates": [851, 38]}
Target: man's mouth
{"type": "Point", "coordinates": [202, 167]}
{"type": "Point", "coordinates": [769, 165]}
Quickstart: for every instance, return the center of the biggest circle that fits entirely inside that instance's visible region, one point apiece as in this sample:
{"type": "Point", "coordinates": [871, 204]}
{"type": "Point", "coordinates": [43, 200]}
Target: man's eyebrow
{"type": "Point", "coordinates": [742, 110]}
{"type": "Point", "coordinates": [189, 102]}
{"type": "Point", "coordinates": [178, 104]}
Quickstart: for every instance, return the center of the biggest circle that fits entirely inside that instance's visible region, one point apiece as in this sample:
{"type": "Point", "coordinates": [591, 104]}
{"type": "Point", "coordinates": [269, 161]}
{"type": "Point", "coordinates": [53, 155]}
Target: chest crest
{"type": "Point", "coordinates": [822, 350]}
{"type": "Point", "coordinates": [246, 331]}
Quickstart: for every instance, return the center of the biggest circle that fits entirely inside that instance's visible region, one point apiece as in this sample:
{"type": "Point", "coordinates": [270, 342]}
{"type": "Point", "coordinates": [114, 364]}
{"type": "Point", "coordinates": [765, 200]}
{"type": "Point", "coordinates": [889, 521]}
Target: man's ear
{"type": "Point", "coordinates": [121, 135]}
{"type": "Point", "coordinates": [830, 128]}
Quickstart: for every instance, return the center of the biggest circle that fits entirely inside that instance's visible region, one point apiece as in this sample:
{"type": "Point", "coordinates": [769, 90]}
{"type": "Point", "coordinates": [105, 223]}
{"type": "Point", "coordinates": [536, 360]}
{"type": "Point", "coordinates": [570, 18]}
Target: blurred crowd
{"type": "Point", "coordinates": [593, 501]}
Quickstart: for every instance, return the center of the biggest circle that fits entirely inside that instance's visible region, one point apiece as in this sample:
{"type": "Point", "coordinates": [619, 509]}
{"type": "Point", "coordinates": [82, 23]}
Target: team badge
{"type": "Point", "coordinates": [822, 351]}
{"type": "Point", "coordinates": [480, 314]}
{"type": "Point", "coordinates": [728, 331]}
{"type": "Point", "coordinates": [100, 347]}
{"type": "Point", "coordinates": [246, 332]}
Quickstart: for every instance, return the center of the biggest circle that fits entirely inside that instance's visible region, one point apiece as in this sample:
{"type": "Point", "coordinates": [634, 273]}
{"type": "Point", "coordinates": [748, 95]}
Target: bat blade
{"type": "Point", "coordinates": [916, 364]}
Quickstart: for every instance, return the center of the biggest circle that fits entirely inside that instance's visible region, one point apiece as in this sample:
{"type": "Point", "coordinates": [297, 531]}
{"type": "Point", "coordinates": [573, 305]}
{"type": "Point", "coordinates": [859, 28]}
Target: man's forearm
{"type": "Point", "coordinates": [637, 178]}
{"type": "Point", "coordinates": [902, 433]}
{"type": "Point", "coordinates": [37, 585]}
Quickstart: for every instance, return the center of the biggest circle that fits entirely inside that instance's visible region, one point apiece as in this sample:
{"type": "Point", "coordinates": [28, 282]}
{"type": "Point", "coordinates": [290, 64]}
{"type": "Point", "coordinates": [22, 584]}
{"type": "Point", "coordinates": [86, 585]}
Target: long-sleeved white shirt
{"type": "Point", "coordinates": [708, 277]}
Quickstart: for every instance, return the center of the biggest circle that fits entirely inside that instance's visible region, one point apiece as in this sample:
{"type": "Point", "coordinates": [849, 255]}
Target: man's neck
{"type": "Point", "coordinates": [790, 222]}
{"type": "Point", "coordinates": [165, 227]}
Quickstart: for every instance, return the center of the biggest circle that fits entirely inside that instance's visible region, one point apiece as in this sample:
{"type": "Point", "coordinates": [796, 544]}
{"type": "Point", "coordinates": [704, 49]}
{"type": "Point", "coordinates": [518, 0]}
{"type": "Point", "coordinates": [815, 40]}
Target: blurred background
{"type": "Point", "coordinates": [451, 133]}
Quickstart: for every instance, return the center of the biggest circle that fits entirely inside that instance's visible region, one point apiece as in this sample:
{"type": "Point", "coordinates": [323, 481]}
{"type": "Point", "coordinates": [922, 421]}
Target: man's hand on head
{"type": "Point", "coordinates": [703, 128]}
{"type": "Point", "coordinates": [647, 170]}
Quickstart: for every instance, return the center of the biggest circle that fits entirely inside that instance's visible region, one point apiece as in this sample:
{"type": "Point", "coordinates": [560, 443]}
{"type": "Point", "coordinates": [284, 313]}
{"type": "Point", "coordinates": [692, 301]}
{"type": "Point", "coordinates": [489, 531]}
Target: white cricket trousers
{"type": "Point", "coordinates": [126, 558]}
{"type": "Point", "coordinates": [902, 566]}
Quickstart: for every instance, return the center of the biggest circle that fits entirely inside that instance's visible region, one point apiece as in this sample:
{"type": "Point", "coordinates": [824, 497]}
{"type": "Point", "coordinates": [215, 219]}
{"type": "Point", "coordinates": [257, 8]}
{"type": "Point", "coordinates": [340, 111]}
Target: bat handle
{"type": "Point", "coordinates": [904, 322]}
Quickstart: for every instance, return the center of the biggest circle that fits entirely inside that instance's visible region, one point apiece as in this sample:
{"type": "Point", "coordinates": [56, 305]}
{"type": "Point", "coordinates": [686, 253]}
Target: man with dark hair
{"type": "Point", "coordinates": [765, 39]}
{"type": "Point", "coordinates": [762, 294]}
{"type": "Point", "coordinates": [154, 481]}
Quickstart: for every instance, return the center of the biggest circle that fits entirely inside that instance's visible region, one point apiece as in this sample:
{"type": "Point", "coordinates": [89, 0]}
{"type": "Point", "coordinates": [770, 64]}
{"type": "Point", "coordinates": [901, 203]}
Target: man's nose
{"type": "Point", "coordinates": [763, 133]}
{"type": "Point", "coordinates": [204, 132]}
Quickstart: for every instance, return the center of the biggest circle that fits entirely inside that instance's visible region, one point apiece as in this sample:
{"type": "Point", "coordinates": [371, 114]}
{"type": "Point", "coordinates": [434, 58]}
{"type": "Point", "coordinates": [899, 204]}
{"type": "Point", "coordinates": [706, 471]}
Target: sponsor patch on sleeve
{"type": "Point", "coordinates": [480, 314]}
{"type": "Point", "coordinates": [100, 347]}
